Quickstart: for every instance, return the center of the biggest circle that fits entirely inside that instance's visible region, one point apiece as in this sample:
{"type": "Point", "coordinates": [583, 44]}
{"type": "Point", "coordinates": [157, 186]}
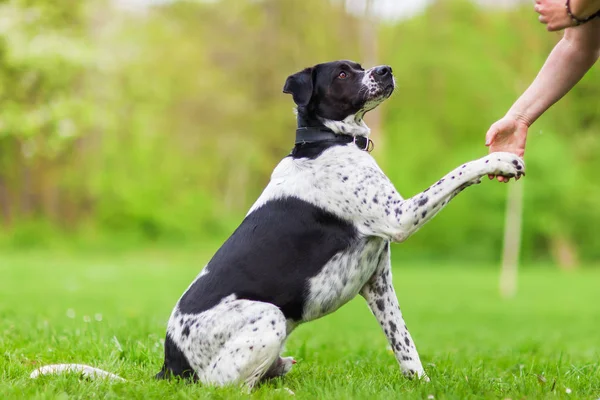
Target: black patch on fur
{"type": "Point", "coordinates": [175, 363]}
{"type": "Point", "coordinates": [380, 304]}
{"type": "Point", "coordinates": [271, 256]}
{"type": "Point", "coordinates": [300, 86]}
{"type": "Point", "coordinates": [186, 331]}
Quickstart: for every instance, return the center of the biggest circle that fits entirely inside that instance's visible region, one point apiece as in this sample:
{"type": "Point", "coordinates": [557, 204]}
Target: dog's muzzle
{"type": "Point", "coordinates": [379, 84]}
{"type": "Point", "coordinates": [384, 79]}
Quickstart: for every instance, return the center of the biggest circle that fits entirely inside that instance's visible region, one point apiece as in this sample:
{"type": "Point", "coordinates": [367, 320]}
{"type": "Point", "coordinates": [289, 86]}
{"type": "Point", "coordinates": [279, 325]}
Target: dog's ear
{"type": "Point", "coordinates": [300, 86]}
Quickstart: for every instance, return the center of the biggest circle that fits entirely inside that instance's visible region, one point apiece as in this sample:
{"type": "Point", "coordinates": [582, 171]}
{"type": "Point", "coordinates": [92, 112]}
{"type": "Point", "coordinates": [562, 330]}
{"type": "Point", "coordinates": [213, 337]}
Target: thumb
{"type": "Point", "coordinates": [491, 135]}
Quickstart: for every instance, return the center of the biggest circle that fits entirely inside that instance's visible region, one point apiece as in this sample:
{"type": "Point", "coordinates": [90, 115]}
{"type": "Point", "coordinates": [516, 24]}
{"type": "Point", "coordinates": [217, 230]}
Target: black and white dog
{"type": "Point", "coordinates": [318, 235]}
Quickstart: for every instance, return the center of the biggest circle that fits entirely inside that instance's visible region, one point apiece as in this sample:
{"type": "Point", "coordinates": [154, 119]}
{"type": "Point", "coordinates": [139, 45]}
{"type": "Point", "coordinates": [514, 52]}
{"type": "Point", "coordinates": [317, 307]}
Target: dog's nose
{"type": "Point", "coordinates": [383, 70]}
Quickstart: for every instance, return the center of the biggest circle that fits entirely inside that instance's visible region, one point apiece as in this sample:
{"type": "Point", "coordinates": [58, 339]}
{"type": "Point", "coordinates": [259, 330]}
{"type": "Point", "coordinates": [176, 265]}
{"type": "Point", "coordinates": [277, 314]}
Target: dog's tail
{"type": "Point", "coordinates": [84, 370]}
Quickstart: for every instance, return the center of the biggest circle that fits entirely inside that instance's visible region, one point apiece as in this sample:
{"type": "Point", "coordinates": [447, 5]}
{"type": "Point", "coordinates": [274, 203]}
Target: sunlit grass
{"type": "Point", "coordinates": [110, 311]}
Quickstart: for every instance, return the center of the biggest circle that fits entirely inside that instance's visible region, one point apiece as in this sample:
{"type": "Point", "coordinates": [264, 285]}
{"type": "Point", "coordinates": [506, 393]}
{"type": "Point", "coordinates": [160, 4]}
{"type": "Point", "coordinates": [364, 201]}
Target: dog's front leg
{"type": "Point", "coordinates": [408, 216]}
{"type": "Point", "coordinates": [381, 297]}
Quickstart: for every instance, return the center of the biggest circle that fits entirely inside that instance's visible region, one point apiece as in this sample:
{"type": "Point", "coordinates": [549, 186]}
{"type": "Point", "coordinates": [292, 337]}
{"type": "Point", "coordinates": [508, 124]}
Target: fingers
{"type": "Point", "coordinates": [553, 15]}
{"type": "Point", "coordinates": [504, 179]}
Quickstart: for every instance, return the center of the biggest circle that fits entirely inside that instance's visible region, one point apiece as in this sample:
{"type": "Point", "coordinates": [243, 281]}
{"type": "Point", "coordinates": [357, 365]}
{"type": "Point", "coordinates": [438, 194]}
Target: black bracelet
{"type": "Point", "coordinates": [576, 20]}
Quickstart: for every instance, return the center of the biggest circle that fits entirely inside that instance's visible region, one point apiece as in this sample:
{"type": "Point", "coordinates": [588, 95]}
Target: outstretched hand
{"type": "Point", "coordinates": [508, 135]}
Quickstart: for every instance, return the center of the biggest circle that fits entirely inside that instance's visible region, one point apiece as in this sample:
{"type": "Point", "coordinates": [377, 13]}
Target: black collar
{"type": "Point", "coordinates": [322, 134]}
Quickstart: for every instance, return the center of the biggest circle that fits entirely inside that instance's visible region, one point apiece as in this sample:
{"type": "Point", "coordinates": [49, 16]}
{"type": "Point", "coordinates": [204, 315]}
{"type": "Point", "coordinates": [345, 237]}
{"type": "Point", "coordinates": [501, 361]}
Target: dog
{"type": "Point", "coordinates": [318, 236]}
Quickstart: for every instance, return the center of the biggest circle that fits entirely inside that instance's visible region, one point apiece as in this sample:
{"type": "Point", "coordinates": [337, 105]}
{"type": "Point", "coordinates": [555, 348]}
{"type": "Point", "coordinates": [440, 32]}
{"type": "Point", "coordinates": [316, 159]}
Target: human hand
{"type": "Point", "coordinates": [507, 135]}
{"type": "Point", "coordinates": [554, 14]}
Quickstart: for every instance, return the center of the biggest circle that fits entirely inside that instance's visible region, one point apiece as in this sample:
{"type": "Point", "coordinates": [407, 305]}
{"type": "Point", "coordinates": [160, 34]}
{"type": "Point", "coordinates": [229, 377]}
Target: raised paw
{"type": "Point", "coordinates": [504, 164]}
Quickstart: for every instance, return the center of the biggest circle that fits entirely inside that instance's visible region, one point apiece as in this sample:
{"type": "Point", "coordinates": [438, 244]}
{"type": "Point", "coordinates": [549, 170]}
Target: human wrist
{"type": "Point", "coordinates": [581, 12]}
{"type": "Point", "coordinates": [519, 117]}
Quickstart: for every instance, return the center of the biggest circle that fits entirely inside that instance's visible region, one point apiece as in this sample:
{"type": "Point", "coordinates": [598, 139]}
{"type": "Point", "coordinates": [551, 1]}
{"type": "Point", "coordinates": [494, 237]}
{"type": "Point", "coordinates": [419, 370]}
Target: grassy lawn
{"type": "Point", "coordinates": [110, 311]}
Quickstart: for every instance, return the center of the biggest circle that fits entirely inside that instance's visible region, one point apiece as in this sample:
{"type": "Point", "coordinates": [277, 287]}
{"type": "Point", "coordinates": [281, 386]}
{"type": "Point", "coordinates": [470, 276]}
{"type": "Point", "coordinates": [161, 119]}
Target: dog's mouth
{"type": "Point", "coordinates": [389, 89]}
{"type": "Point", "coordinates": [383, 92]}
{"type": "Point", "coordinates": [374, 99]}
{"type": "Point", "coordinates": [386, 92]}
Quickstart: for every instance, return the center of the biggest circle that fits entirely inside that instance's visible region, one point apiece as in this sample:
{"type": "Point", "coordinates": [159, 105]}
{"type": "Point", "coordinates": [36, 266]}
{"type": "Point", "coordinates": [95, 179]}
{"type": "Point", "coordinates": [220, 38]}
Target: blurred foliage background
{"type": "Point", "coordinates": [161, 125]}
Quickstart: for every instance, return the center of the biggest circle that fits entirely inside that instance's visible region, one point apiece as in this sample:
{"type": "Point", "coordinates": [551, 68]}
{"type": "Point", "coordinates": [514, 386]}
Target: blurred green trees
{"type": "Point", "coordinates": [165, 123]}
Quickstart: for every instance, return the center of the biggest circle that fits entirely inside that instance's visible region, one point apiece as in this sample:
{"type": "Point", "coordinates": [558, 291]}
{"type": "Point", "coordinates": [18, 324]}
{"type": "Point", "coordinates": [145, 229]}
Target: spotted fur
{"type": "Point", "coordinates": [317, 236]}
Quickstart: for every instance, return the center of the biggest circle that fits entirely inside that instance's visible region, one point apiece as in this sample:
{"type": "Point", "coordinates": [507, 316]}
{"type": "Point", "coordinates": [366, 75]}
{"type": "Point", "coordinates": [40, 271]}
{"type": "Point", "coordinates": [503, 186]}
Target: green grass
{"type": "Point", "coordinates": [473, 344]}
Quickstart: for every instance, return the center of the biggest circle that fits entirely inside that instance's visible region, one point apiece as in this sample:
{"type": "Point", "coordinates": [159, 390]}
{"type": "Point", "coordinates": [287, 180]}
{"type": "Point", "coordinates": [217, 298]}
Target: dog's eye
{"type": "Point", "coordinates": [343, 75]}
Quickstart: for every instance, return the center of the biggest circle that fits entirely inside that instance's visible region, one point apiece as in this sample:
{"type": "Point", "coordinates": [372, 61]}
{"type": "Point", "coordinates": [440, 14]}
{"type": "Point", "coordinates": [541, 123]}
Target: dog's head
{"type": "Point", "coordinates": [338, 94]}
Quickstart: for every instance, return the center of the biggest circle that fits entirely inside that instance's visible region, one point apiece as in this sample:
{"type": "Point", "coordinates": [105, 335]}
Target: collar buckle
{"type": "Point", "coordinates": [368, 146]}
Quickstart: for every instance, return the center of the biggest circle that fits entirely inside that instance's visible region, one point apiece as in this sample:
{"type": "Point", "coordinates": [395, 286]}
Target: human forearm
{"type": "Point", "coordinates": [571, 58]}
{"type": "Point", "coordinates": [568, 62]}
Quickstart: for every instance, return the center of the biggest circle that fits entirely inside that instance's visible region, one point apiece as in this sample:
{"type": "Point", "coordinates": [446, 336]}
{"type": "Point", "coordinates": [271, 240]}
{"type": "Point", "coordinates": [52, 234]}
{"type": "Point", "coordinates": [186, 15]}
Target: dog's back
{"type": "Point", "coordinates": [270, 257]}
